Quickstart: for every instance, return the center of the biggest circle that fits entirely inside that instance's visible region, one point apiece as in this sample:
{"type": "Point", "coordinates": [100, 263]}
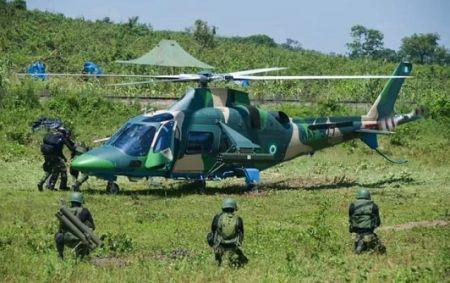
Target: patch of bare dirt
{"type": "Point", "coordinates": [109, 262]}
{"type": "Point", "coordinates": [411, 225]}
{"type": "Point", "coordinates": [177, 253]}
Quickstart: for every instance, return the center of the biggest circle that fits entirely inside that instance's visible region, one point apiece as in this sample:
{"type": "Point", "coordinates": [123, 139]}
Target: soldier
{"type": "Point", "coordinates": [79, 149]}
{"type": "Point", "coordinates": [64, 237]}
{"type": "Point", "coordinates": [54, 159]}
{"type": "Point", "coordinates": [364, 217]}
{"type": "Point", "coordinates": [227, 234]}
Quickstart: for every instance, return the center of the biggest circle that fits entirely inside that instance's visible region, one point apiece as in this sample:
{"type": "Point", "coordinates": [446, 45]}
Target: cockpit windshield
{"type": "Point", "coordinates": [134, 139]}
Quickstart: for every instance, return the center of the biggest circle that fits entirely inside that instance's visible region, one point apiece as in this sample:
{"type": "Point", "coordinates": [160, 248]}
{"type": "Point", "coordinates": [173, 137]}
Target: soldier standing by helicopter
{"type": "Point", "coordinates": [54, 159]}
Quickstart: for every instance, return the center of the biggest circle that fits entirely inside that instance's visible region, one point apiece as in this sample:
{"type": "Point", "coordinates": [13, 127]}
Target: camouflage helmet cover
{"type": "Point", "coordinates": [229, 203]}
{"type": "Point", "coordinates": [77, 197]}
{"type": "Point", "coordinates": [363, 193]}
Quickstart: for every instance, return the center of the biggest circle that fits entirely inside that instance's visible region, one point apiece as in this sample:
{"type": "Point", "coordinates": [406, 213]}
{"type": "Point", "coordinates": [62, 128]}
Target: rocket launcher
{"type": "Point", "coordinates": [78, 229]}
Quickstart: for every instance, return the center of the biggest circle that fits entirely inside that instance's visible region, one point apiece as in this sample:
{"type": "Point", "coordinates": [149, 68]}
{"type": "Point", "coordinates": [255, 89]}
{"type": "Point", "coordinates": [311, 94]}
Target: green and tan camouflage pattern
{"type": "Point", "coordinates": [280, 138]}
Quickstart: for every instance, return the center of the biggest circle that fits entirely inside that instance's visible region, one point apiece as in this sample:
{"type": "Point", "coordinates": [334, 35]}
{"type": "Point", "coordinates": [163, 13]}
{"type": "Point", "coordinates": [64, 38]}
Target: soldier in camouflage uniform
{"type": "Point", "coordinates": [227, 234]}
{"type": "Point", "coordinates": [364, 217]}
{"type": "Point", "coordinates": [65, 238]}
{"type": "Point", "coordinates": [54, 159]}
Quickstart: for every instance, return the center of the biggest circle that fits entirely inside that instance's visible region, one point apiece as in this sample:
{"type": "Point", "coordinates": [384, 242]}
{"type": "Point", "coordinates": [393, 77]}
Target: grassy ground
{"type": "Point", "coordinates": [295, 230]}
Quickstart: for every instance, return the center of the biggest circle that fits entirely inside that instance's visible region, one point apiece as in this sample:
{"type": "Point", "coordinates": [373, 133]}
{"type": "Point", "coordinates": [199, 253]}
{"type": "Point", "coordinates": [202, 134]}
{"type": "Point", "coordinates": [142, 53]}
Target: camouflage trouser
{"type": "Point", "coordinates": [47, 172]}
{"type": "Point", "coordinates": [368, 242]}
{"type": "Point", "coordinates": [67, 239]}
{"type": "Point", "coordinates": [79, 181]}
{"type": "Point", "coordinates": [236, 257]}
{"type": "Point", "coordinates": [57, 166]}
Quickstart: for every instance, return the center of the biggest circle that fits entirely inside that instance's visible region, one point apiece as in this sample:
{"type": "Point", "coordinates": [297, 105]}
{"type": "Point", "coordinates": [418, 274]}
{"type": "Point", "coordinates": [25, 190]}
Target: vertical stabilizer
{"type": "Point", "coordinates": [384, 105]}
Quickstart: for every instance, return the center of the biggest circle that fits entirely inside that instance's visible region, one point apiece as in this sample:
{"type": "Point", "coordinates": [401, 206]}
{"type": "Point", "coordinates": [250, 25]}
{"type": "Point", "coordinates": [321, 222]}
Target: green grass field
{"type": "Point", "coordinates": [296, 229]}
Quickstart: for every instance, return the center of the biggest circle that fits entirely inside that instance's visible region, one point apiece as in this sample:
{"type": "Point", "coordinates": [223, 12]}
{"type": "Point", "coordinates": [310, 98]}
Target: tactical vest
{"type": "Point", "coordinates": [227, 231]}
{"type": "Point", "coordinates": [52, 144]}
{"type": "Point", "coordinates": [362, 217]}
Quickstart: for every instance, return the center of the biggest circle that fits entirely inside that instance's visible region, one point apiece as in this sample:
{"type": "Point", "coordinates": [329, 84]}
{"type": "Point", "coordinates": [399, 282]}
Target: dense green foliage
{"type": "Point", "coordinates": [64, 44]}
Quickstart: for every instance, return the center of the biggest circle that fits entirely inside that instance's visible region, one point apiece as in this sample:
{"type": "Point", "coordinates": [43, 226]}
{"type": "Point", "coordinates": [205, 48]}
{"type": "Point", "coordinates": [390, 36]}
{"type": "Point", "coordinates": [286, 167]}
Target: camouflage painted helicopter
{"type": "Point", "coordinates": [215, 133]}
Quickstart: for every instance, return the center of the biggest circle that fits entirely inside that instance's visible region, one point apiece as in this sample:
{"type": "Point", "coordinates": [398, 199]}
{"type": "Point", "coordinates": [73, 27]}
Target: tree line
{"type": "Point", "coordinates": [366, 43]}
{"type": "Point", "coordinates": [418, 48]}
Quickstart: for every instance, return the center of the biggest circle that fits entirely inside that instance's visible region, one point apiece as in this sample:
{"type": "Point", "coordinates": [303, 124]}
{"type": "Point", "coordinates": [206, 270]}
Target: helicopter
{"type": "Point", "coordinates": [216, 133]}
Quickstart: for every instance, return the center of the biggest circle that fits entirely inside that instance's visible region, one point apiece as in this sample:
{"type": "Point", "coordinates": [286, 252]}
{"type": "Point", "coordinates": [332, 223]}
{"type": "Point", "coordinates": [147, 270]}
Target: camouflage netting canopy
{"type": "Point", "coordinates": [168, 53]}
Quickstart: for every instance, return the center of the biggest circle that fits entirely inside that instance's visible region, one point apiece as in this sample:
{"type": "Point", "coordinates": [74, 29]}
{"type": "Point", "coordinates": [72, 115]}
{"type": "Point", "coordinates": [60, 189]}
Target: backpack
{"type": "Point", "coordinates": [227, 228]}
{"type": "Point", "coordinates": [363, 217]}
{"type": "Point", "coordinates": [52, 144]}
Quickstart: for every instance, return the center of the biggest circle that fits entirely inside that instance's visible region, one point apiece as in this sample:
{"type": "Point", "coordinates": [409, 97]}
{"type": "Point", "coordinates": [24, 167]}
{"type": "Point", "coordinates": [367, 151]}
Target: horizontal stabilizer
{"type": "Point", "coordinates": [330, 125]}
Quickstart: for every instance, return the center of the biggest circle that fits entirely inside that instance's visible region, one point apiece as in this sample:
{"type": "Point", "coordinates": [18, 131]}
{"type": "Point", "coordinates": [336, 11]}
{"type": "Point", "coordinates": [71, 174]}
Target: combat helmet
{"type": "Point", "coordinates": [77, 197]}
{"type": "Point", "coordinates": [229, 204]}
{"type": "Point", "coordinates": [363, 193]}
{"type": "Point", "coordinates": [65, 131]}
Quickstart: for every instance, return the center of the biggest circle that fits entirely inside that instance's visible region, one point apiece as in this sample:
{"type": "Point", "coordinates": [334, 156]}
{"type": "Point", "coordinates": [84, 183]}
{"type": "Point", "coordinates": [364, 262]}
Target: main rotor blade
{"type": "Point", "coordinates": [81, 75]}
{"type": "Point", "coordinates": [268, 78]}
{"type": "Point", "coordinates": [131, 83]}
{"type": "Point", "coordinates": [191, 77]}
{"type": "Point", "coordinates": [155, 81]}
{"type": "Point", "coordinates": [256, 71]}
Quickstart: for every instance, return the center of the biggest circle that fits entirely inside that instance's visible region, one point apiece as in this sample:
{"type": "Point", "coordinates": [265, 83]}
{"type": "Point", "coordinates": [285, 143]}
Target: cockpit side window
{"type": "Point", "coordinates": [135, 139]}
{"type": "Point", "coordinates": [164, 139]}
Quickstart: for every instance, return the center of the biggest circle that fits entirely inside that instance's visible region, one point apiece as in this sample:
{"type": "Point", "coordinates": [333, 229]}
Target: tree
{"type": "Point", "coordinates": [421, 48]}
{"type": "Point", "coordinates": [133, 22]}
{"type": "Point", "coordinates": [388, 55]}
{"type": "Point", "coordinates": [20, 4]}
{"type": "Point", "coordinates": [292, 44]}
{"type": "Point", "coordinates": [204, 34]}
{"type": "Point", "coordinates": [442, 55]}
{"type": "Point", "coordinates": [366, 42]}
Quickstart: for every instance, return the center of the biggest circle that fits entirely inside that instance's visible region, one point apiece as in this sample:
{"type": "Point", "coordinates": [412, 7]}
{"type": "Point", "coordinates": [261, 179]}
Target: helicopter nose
{"type": "Point", "coordinates": [97, 160]}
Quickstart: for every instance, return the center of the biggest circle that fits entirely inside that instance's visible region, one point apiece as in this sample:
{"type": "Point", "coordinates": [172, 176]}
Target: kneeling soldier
{"type": "Point", "coordinates": [227, 234]}
{"type": "Point", "coordinates": [364, 217]}
{"type": "Point", "coordinates": [65, 237]}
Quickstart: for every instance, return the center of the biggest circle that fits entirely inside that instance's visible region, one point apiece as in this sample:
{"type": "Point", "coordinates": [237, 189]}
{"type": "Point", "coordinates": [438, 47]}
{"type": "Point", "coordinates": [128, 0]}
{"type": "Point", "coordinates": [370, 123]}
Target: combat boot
{"type": "Point", "coordinates": [76, 186]}
{"type": "Point", "coordinates": [218, 258]}
{"type": "Point", "coordinates": [59, 240]}
{"type": "Point", "coordinates": [359, 245]}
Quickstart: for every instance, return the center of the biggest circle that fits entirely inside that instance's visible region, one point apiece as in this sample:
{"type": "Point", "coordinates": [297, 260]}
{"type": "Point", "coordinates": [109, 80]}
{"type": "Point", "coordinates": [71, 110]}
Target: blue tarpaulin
{"type": "Point", "coordinates": [37, 70]}
{"type": "Point", "coordinates": [92, 68]}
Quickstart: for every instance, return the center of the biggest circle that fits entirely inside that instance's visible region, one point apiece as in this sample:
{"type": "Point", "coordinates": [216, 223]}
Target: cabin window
{"type": "Point", "coordinates": [199, 142]}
